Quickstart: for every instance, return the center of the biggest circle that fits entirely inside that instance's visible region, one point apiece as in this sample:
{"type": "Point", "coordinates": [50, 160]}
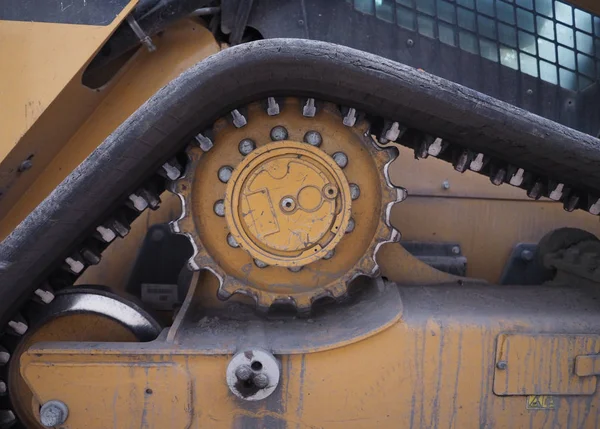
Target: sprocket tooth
{"type": "Point", "coordinates": [498, 175]}
{"type": "Point", "coordinates": [536, 189]}
{"type": "Point", "coordinates": [571, 202]}
{"type": "Point", "coordinates": [516, 176]}
{"type": "Point", "coordinates": [461, 163]}
{"type": "Point", "coordinates": [556, 191]}
{"type": "Point", "coordinates": [593, 205]}
{"type": "Point", "coordinates": [438, 147]}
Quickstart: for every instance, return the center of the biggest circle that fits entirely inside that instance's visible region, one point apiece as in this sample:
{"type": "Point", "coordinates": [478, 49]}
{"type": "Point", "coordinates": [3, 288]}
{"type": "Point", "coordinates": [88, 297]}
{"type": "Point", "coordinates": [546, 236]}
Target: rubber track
{"type": "Point", "coordinates": [245, 73]}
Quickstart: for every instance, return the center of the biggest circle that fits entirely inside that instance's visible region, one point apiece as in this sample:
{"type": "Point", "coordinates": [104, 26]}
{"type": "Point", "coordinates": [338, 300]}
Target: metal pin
{"type": "Point", "coordinates": [272, 106]}
{"type": "Point", "coordinates": [74, 265]}
{"type": "Point", "coordinates": [309, 109]}
{"type": "Point", "coordinates": [171, 171]}
{"type": "Point", "coordinates": [139, 203]}
{"type": "Point", "coordinates": [595, 208]}
{"type": "Point", "coordinates": [204, 142]}
{"type": "Point", "coordinates": [350, 118]}
{"type": "Point", "coordinates": [239, 120]}
{"type": "Point", "coordinates": [436, 147]}
{"type": "Point", "coordinates": [19, 327]}
{"type": "Point", "coordinates": [557, 193]}
{"type": "Point", "coordinates": [44, 295]}
{"type": "Point", "coordinates": [393, 133]}
{"type": "Point", "coordinates": [517, 178]}
{"type": "Point", "coordinates": [477, 163]}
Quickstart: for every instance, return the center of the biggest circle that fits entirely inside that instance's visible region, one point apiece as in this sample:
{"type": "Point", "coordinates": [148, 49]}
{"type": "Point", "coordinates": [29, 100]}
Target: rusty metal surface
{"type": "Point", "coordinates": [433, 368]}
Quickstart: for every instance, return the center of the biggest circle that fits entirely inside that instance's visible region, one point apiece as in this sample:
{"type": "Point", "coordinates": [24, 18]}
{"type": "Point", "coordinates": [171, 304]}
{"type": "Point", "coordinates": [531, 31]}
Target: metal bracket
{"type": "Point", "coordinates": [522, 267]}
{"type": "Point", "coordinates": [446, 257]}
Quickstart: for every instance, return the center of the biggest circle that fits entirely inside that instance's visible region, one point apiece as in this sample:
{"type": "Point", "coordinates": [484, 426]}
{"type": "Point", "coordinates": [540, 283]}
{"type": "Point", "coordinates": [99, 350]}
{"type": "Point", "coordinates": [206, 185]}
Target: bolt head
{"type": "Point", "coordinates": [445, 184]}
{"type": "Point", "coordinates": [53, 413]}
{"type": "Point", "coordinates": [279, 133]}
{"type": "Point", "coordinates": [232, 241]}
{"type": "Point", "coordinates": [313, 138]}
{"type": "Point", "coordinates": [259, 263]}
{"type": "Point", "coordinates": [354, 191]}
{"type": "Point", "coordinates": [456, 250]}
{"type": "Point", "coordinates": [294, 269]}
{"type": "Point", "coordinates": [225, 173]}
{"type": "Point", "coordinates": [246, 146]}
{"type": "Point", "coordinates": [219, 208]}
{"type": "Point", "coordinates": [341, 159]}
{"type": "Point", "coordinates": [410, 43]}
{"type": "Point", "coordinates": [527, 255]}
{"type": "Point", "coordinates": [25, 165]}
{"type": "Point", "coordinates": [244, 372]}
{"type": "Point", "coordinates": [329, 254]}
{"type": "Point", "coordinates": [350, 226]}
{"type": "Point", "coordinates": [261, 380]}
{"type": "Point", "coordinates": [502, 365]}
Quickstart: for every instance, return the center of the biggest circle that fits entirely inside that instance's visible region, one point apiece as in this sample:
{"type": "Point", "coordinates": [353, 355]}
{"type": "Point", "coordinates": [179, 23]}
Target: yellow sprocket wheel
{"type": "Point", "coordinates": [288, 203]}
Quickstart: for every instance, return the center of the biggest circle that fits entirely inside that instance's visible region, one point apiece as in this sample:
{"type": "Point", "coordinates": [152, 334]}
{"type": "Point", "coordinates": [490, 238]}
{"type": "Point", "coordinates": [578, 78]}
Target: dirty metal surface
{"type": "Point", "coordinates": [433, 368]}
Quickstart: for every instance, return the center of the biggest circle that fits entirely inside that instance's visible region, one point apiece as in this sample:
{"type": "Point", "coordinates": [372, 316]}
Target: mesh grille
{"type": "Point", "coordinates": [546, 39]}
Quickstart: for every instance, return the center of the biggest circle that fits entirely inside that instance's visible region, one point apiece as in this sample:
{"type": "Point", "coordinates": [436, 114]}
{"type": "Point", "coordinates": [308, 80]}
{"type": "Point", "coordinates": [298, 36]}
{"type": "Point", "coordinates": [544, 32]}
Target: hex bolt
{"type": "Point", "coordinates": [244, 372]}
{"type": "Point", "coordinates": [246, 146]}
{"type": "Point", "coordinates": [340, 159]}
{"type": "Point", "coordinates": [279, 133]}
{"type": "Point", "coordinates": [225, 173]}
{"type": "Point", "coordinates": [219, 208]}
{"type": "Point", "coordinates": [53, 413]}
{"type": "Point", "coordinates": [261, 380]}
{"type": "Point", "coordinates": [410, 43]}
{"type": "Point", "coordinates": [313, 138]}
{"type": "Point", "coordinates": [259, 263]}
{"type": "Point", "coordinates": [455, 250]}
{"type": "Point", "coordinates": [354, 191]}
{"type": "Point", "coordinates": [350, 226]}
{"type": "Point", "coordinates": [294, 269]}
{"type": "Point", "coordinates": [232, 241]}
{"type": "Point", "coordinates": [527, 255]}
{"type": "Point", "coordinates": [502, 365]}
{"type": "Point", "coordinates": [25, 165]}
{"type": "Point", "coordinates": [329, 254]}
{"type": "Point", "coordinates": [446, 185]}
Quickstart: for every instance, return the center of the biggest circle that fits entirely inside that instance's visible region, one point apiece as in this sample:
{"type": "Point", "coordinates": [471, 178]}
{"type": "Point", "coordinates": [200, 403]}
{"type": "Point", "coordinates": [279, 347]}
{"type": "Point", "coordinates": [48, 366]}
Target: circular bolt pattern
{"type": "Point", "coordinates": [294, 269]}
{"type": "Point", "coordinates": [253, 374]}
{"type": "Point", "coordinates": [246, 146]}
{"type": "Point", "coordinates": [244, 372]}
{"type": "Point", "coordinates": [225, 173]}
{"type": "Point", "coordinates": [279, 133]}
{"type": "Point", "coordinates": [259, 263]}
{"type": "Point", "coordinates": [314, 138]}
{"type": "Point", "coordinates": [288, 204]}
{"type": "Point", "coordinates": [502, 365]}
{"type": "Point", "coordinates": [354, 191]}
{"type": "Point", "coordinates": [350, 227]}
{"type": "Point", "coordinates": [340, 159]}
{"type": "Point", "coordinates": [53, 413]}
{"type": "Point", "coordinates": [220, 208]}
{"type": "Point", "coordinates": [231, 241]}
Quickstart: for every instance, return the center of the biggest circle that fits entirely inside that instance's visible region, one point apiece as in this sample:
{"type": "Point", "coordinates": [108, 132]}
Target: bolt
{"type": "Point", "coordinates": [278, 133]}
{"type": "Point", "coordinates": [527, 255]}
{"type": "Point", "coordinates": [350, 226]}
{"type": "Point", "coordinates": [261, 380]}
{"type": "Point", "coordinates": [502, 365]}
{"type": "Point", "coordinates": [225, 173]}
{"type": "Point", "coordinates": [260, 264]}
{"type": "Point", "coordinates": [354, 191]}
{"type": "Point", "coordinates": [445, 184]}
{"type": "Point", "coordinates": [530, 92]}
{"type": "Point", "coordinates": [288, 204]}
{"type": "Point", "coordinates": [232, 241]}
{"type": "Point", "coordinates": [243, 372]}
{"type": "Point", "coordinates": [340, 159]}
{"type": "Point", "coordinates": [455, 250]}
{"type": "Point", "coordinates": [329, 254]}
{"type": "Point", "coordinates": [25, 165]}
{"type": "Point", "coordinates": [410, 43]}
{"type": "Point", "coordinates": [220, 208]}
{"type": "Point", "coordinates": [53, 413]}
{"type": "Point", "coordinates": [294, 269]}
{"type": "Point", "coordinates": [246, 146]}
{"type": "Point", "coordinates": [313, 138]}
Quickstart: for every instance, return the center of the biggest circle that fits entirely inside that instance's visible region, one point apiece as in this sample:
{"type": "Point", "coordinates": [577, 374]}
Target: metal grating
{"type": "Point", "coordinates": [546, 39]}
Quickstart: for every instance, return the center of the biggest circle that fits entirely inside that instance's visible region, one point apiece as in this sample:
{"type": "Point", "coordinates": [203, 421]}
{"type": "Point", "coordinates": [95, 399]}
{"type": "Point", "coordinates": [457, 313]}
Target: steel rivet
{"type": "Point", "coordinates": [313, 138]}
{"type": "Point", "coordinates": [225, 173]}
{"type": "Point", "coordinates": [354, 191]}
{"type": "Point", "coordinates": [340, 159]}
{"type": "Point", "coordinates": [232, 241]}
{"type": "Point", "coordinates": [445, 184]}
{"type": "Point", "coordinates": [502, 365]}
{"type": "Point", "coordinates": [220, 208]}
{"type": "Point", "coordinates": [279, 133]}
{"type": "Point", "coordinates": [246, 146]}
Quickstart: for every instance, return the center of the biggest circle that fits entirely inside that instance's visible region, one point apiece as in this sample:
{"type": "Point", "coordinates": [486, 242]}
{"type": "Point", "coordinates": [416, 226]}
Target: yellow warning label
{"type": "Point", "coordinates": [540, 402]}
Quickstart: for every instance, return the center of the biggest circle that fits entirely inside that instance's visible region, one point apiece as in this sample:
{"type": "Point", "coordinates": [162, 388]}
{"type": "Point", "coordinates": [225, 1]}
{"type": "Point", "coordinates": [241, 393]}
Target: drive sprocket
{"type": "Point", "coordinates": [288, 202]}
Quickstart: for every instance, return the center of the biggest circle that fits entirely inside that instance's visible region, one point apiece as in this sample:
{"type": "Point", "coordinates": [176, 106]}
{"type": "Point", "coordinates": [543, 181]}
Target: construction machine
{"type": "Point", "coordinates": [299, 214]}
